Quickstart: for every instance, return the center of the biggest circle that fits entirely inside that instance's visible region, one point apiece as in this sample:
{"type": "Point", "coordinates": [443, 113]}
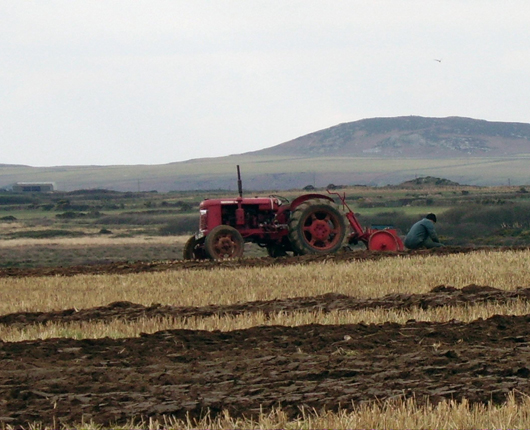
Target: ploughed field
{"type": "Point", "coordinates": [158, 266]}
{"type": "Point", "coordinates": [185, 373]}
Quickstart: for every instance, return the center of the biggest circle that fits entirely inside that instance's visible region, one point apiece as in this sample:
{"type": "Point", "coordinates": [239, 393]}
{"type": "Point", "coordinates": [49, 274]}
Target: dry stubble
{"type": "Point", "coordinates": [368, 279]}
{"type": "Point", "coordinates": [504, 270]}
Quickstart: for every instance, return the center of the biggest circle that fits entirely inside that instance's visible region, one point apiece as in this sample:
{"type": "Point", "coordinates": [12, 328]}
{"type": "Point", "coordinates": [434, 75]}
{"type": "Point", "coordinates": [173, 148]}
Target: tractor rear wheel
{"type": "Point", "coordinates": [316, 226]}
{"type": "Point", "coordinates": [194, 249]}
{"type": "Point", "coordinates": [224, 242]}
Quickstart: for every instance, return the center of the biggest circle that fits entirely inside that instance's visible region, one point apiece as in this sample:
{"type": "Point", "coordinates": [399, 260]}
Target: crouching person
{"type": "Point", "coordinates": [422, 234]}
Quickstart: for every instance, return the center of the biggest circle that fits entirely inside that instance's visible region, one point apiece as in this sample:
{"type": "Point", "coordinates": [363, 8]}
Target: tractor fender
{"type": "Point", "coordinates": [299, 200]}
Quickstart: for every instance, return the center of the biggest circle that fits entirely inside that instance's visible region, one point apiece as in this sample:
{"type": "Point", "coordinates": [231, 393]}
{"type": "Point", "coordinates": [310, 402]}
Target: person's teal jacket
{"type": "Point", "coordinates": [419, 233]}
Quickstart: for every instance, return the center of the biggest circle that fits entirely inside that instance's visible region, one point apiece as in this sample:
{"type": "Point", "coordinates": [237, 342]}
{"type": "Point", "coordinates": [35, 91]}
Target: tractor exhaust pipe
{"type": "Point", "coordinates": [239, 183]}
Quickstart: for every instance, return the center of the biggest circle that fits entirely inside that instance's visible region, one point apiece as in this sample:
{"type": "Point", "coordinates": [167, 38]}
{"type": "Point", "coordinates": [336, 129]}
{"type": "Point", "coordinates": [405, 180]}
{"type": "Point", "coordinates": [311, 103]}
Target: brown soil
{"type": "Point", "coordinates": [157, 266]}
{"type": "Point", "coordinates": [180, 372]}
{"type": "Point", "coordinates": [127, 311]}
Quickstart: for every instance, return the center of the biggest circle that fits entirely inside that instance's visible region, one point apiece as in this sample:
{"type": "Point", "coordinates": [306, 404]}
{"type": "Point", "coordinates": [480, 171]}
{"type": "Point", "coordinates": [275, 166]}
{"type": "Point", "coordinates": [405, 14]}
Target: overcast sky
{"type": "Point", "coordinates": [153, 82]}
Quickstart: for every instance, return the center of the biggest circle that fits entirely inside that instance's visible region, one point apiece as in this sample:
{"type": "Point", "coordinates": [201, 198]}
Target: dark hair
{"type": "Point", "coordinates": [432, 217]}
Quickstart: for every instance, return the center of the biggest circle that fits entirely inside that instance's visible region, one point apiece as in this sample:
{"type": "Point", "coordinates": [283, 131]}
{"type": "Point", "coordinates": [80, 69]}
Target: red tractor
{"type": "Point", "coordinates": [310, 224]}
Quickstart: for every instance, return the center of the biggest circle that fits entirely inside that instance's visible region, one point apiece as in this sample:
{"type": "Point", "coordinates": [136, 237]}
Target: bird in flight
{"type": "Point", "coordinates": [439, 60]}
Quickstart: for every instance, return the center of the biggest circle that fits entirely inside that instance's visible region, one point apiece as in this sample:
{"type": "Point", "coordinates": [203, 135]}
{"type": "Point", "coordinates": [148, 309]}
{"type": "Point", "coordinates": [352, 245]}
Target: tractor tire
{"type": "Point", "coordinates": [224, 242]}
{"type": "Point", "coordinates": [317, 226]}
{"type": "Point", "coordinates": [194, 249]}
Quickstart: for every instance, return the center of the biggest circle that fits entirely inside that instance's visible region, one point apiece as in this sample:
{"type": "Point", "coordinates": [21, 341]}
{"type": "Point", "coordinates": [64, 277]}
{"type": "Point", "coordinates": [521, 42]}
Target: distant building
{"type": "Point", "coordinates": [34, 187]}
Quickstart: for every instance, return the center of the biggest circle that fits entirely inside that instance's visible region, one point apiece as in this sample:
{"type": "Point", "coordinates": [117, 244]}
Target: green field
{"type": "Point", "coordinates": [88, 226]}
{"type": "Point", "coordinates": [276, 173]}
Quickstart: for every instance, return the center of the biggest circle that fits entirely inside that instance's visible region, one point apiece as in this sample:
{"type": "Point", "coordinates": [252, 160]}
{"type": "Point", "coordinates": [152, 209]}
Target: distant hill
{"type": "Point", "coordinates": [411, 136]}
{"type": "Point", "coordinates": [376, 151]}
{"type": "Point", "coordinates": [428, 181]}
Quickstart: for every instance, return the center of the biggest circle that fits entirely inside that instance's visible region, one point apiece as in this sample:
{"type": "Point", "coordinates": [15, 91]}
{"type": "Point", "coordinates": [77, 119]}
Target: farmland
{"type": "Point", "coordinates": [172, 344]}
{"type": "Point", "coordinates": [102, 226]}
{"type": "Point", "coordinates": [103, 324]}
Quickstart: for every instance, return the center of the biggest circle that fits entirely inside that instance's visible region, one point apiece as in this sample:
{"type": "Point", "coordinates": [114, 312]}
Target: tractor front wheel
{"type": "Point", "coordinates": [194, 249]}
{"type": "Point", "coordinates": [316, 227]}
{"type": "Point", "coordinates": [224, 242]}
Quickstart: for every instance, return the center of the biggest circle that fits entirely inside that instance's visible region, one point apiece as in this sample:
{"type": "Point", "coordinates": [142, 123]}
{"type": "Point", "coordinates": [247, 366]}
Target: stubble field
{"type": "Point", "coordinates": [420, 339]}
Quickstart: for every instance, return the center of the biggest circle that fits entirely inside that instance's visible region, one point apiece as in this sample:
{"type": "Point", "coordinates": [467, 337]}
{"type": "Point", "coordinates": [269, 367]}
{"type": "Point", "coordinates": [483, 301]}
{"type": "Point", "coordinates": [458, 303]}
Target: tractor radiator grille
{"type": "Point", "coordinates": [203, 221]}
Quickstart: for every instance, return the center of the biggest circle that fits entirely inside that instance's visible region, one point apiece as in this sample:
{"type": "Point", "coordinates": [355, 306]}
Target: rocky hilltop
{"type": "Point", "coordinates": [411, 136]}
